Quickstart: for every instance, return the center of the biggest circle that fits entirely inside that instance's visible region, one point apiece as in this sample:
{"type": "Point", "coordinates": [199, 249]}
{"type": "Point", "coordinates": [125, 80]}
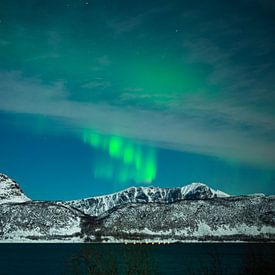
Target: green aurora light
{"type": "Point", "coordinates": [121, 159]}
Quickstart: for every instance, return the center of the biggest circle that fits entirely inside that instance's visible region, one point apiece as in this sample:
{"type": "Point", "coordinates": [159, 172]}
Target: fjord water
{"type": "Point", "coordinates": [207, 258]}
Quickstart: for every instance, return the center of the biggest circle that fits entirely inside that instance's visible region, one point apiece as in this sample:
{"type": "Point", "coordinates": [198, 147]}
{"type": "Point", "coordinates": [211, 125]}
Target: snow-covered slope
{"type": "Point", "coordinates": [39, 221]}
{"type": "Point", "coordinates": [240, 218]}
{"type": "Point", "coordinates": [97, 205]}
{"type": "Point", "coordinates": [10, 191]}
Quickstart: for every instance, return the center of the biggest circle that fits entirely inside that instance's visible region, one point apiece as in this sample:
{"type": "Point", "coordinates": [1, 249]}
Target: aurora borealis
{"type": "Point", "coordinates": [133, 162]}
{"type": "Point", "coordinates": [99, 95]}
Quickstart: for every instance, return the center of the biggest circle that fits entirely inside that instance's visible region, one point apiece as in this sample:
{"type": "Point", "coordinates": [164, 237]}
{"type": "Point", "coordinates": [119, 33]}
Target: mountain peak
{"type": "Point", "coordinates": [10, 191]}
{"type": "Point", "coordinates": [198, 186]}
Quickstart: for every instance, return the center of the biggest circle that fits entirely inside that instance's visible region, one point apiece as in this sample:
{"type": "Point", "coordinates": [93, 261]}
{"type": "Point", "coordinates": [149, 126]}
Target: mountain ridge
{"type": "Point", "coordinates": [194, 213]}
{"type": "Point", "coordinates": [99, 204]}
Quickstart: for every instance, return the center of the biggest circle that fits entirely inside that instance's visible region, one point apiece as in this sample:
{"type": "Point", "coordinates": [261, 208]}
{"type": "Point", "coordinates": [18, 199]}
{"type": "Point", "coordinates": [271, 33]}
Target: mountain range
{"type": "Point", "coordinates": [194, 212]}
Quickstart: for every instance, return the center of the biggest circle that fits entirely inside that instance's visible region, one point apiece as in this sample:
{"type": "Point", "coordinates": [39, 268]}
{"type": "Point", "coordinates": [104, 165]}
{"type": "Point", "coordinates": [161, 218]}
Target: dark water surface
{"type": "Point", "coordinates": [187, 259]}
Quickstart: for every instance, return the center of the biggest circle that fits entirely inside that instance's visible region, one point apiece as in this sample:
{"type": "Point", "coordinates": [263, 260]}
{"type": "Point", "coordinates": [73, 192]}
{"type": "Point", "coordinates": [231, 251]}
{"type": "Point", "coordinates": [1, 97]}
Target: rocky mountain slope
{"type": "Point", "coordinates": [97, 205]}
{"type": "Point", "coordinates": [10, 191]}
{"type": "Point", "coordinates": [138, 214]}
{"type": "Point", "coordinates": [41, 221]}
{"type": "Point", "coordinates": [232, 218]}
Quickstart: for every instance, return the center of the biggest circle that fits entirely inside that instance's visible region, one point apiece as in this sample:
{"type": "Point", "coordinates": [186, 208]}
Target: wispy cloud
{"type": "Point", "coordinates": [190, 130]}
{"type": "Point", "coordinates": [97, 84]}
{"type": "Point", "coordinates": [239, 71]}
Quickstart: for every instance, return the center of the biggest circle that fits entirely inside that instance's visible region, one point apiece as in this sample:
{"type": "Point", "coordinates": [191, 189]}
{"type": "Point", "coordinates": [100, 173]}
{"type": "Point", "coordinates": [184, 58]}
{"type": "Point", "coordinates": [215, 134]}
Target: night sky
{"type": "Point", "coordinates": [97, 95]}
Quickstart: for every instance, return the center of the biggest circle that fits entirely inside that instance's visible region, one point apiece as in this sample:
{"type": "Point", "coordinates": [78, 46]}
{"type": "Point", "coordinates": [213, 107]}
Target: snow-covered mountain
{"type": "Point", "coordinates": [10, 191]}
{"type": "Point", "coordinates": [95, 206]}
{"type": "Point", "coordinates": [241, 218]}
{"type": "Point", "coordinates": [138, 214]}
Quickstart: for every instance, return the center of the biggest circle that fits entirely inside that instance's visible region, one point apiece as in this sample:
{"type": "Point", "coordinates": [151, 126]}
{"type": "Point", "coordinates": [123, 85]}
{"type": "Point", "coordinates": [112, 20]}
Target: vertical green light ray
{"type": "Point", "coordinates": [121, 159]}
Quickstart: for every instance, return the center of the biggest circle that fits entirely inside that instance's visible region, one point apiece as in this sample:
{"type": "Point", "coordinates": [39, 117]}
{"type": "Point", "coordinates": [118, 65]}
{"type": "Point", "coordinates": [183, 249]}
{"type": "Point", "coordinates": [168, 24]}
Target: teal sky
{"type": "Point", "coordinates": [99, 95]}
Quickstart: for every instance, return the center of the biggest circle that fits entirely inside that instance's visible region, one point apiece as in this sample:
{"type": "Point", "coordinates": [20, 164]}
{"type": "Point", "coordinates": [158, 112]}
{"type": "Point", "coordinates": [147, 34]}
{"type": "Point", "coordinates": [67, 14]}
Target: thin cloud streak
{"type": "Point", "coordinates": [171, 129]}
